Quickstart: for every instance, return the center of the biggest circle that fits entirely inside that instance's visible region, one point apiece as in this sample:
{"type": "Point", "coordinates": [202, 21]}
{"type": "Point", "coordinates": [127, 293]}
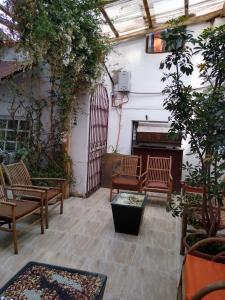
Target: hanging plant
{"type": "Point", "coordinates": [67, 36]}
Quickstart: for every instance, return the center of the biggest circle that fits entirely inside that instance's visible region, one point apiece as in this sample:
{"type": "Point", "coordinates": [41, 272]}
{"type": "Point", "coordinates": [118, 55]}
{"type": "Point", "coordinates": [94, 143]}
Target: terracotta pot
{"type": "Point", "coordinates": [192, 189]}
{"type": "Point", "coordinates": [199, 253]}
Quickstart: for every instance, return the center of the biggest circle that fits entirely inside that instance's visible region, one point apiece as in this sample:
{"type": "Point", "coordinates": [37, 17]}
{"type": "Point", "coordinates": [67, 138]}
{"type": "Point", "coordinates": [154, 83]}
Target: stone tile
{"type": "Point", "coordinates": [143, 267]}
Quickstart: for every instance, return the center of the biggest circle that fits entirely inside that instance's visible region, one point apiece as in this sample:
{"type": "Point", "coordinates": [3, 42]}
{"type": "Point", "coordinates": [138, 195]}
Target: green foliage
{"type": "Point", "coordinates": [199, 115]}
{"type": "Point", "coordinates": [66, 35]}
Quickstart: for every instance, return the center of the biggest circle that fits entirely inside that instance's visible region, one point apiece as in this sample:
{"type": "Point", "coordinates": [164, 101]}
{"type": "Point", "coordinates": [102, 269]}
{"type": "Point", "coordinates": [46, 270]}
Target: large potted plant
{"type": "Point", "coordinates": [198, 114]}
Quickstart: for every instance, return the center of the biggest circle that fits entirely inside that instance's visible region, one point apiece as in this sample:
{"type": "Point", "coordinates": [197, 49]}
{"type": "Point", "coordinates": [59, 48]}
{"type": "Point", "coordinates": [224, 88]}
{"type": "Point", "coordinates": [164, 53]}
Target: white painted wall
{"type": "Point", "coordinates": [27, 87]}
{"type": "Point", "coordinates": [80, 139]}
{"type": "Point", "coordinates": [79, 145]}
{"type": "Point", "coordinates": [146, 78]}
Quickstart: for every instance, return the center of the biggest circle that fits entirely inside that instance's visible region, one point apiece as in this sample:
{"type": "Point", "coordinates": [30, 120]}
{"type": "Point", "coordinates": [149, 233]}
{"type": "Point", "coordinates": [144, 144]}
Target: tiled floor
{"type": "Point", "coordinates": [143, 267]}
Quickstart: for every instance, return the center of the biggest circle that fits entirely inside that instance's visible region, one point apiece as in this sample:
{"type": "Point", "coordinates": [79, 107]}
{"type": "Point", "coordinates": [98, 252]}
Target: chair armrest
{"type": "Point", "coordinates": [50, 179]}
{"type": "Point", "coordinates": [220, 285]}
{"type": "Point", "coordinates": [40, 193]}
{"type": "Point", "coordinates": [8, 203]}
{"type": "Point", "coordinates": [143, 174]}
{"type": "Point", "coordinates": [116, 175]}
{"type": "Point", "coordinates": [142, 179]}
{"type": "Point", "coordinates": [60, 182]}
{"type": "Point", "coordinates": [30, 187]}
{"type": "Point", "coordinates": [205, 242]}
{"type": "Point", "coordinates": [171, 177]}
{"type": "Point", "coordinates": [25, 190]}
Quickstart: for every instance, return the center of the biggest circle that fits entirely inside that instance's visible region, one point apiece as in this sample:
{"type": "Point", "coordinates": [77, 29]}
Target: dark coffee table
{"type": "Point", "coordinates": [43, 281]}
{"type": "Point", "coordinates": [128, 210]}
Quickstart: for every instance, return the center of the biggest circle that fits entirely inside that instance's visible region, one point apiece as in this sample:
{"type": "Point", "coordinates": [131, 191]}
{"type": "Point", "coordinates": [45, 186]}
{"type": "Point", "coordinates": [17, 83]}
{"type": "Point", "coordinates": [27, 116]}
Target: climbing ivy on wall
{"type": "Point", "coordinates": [66, 35]}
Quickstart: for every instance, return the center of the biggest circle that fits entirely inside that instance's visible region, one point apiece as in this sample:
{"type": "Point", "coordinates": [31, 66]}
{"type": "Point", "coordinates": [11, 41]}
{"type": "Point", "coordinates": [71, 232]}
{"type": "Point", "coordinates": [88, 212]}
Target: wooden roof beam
{"type": "Point", "coordinates": [8, 24]}
{"type": "Point", "coordinates": [106, 2]}
{"type": "Point", "coordinates": [186, 7]}
{"type": "Point", "coordinates": [190, 21]}
{"type": "Point", "coordinates": [5, 10]}
{"type": "Point", "coordinates": [148, 14]}
{"type": "Point", "coordinates": [105, 15]}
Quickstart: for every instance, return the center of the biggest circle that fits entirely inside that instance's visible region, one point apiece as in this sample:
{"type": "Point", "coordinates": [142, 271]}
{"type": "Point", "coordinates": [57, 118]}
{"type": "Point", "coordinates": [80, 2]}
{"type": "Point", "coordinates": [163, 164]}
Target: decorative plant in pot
{"type": "Point", "coordinates": [198, 114]}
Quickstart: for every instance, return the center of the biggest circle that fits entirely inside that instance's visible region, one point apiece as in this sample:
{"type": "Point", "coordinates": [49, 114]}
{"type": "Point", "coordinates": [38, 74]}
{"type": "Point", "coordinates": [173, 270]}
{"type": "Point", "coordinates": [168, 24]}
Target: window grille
{"type": "Point", "coordinates": [14, 133]}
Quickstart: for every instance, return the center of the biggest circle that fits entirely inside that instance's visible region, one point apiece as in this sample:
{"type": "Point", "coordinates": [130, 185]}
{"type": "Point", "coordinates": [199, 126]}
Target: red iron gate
{"type": "Point", "coordinates": [98, 130]}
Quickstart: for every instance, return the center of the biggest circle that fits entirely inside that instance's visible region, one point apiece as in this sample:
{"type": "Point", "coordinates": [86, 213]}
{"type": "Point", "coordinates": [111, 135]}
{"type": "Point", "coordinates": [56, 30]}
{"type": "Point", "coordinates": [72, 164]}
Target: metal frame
{"type": "Point", "coordinates": [149, 20]}
{"type": "Point", "coordinates": [150, 25]}
{"type": "Point", "coordinates": [98, 131]}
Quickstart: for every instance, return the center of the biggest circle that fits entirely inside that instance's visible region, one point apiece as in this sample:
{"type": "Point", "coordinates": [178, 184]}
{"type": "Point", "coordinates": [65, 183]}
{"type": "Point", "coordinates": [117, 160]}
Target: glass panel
{"type": "Point", "coordinates": [164, 10]}
{"type": "Point", "coordinates": [3, 123]}
{"type": "Point", "coordinates": [1, 146]}
{"type": "Point", "coordinates": [126, 15]}
{"type": "Point", "coordinates": [12, 124]}
{"type": "Point", "coordinates": [22, 136]}
{"type": "Point", "coordinates": [10, 146]}
{"type": "Point", "coordinates": [2, 135]}
{"type": "Point", "coordinates": [105, 28]}
{"type": "Point", "coordinates": [23, 125]}
{"type": "Point", "coordinates": [11, 135]}
{"type": "Point", "coordinates": [129, 15]}
{"type": "Point", "coordinates": [129, 199]}
{"type": "Point", "coordinates": [202, 7]}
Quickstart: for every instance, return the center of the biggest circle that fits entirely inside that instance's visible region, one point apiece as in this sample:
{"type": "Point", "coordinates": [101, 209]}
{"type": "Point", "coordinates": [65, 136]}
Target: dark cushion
{"type": "Point", "coordinates": [51, 193]}
{"type": "Point", "coordinates": [22, 208]}
{"type": "Point", "coordinates": [157, 184]}
{"type": "Point", "coordinates": [125, 182]}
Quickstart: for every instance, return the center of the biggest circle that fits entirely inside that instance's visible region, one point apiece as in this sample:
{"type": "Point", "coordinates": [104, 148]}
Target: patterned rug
{"type": "Point", "coordinates": [37, 281]}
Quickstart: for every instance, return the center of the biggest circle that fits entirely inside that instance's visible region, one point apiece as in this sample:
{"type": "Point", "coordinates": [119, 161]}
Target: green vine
{"type": "Point", "coordinates": [65, 35]}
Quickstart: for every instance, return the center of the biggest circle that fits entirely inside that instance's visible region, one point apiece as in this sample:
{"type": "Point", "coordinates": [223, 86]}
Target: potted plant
{"type": "Point", "coordinates": [198, 114]}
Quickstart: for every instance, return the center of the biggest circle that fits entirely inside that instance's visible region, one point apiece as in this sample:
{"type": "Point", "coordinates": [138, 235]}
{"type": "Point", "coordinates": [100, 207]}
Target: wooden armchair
{"type": "Point", "coordinates": [128, 174]}
{"type": "Point", "coordinates": [13, 211]}
{"type": "Point", "coordinates": [201, 277]}
{"type": "Point", "coordinates": [157, 177]}
{"type": "Point", "coordinates": [18, 176]}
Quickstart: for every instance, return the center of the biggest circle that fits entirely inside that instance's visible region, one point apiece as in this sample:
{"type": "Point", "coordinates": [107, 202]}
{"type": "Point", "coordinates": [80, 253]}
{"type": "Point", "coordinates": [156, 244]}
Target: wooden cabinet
{"type": "Point", "coordinates": [177, 160]}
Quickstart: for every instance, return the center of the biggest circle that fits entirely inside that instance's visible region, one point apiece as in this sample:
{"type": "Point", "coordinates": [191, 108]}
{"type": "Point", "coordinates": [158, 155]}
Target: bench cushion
{"type": "Point", "coordinates": [157, 185]}
{"type": "Point", "coordinates": [23, 208]}
{"type": "Point", "coordinates": [125, 182]}
{"type": "Point", "coordinates": [199, 273]}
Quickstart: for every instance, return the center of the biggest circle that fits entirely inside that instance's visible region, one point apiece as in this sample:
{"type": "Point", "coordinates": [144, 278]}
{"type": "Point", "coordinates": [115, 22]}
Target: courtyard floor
{"type": "Point", "coordinates": [143, 267]}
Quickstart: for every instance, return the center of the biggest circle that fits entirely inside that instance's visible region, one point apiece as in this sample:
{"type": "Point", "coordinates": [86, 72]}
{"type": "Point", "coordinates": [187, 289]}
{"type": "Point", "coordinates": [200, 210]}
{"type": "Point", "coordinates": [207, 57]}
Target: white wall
{"type": "Point", "coordinates": [79, 145]}
{"type": "Point", "coordinates": [21, 89]}
{"type": "Point", "coordinates": [146, 78]}
{"type": "Point", "coordinates": [80, 139]}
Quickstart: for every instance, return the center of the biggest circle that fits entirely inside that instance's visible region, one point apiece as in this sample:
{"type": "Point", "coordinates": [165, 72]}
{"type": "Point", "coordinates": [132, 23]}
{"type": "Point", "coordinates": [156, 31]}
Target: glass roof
{"type": "Point", "coordinates": [128, 16]}
{"type": "Point", "coordinates": [123, 17]}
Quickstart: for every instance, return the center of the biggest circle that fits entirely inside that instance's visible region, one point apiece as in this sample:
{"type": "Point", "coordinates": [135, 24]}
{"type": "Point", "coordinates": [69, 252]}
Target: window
{"type": "Point", "coordinates": [156, 44]}
{"type": "Point", "coordinates": [13, 134]}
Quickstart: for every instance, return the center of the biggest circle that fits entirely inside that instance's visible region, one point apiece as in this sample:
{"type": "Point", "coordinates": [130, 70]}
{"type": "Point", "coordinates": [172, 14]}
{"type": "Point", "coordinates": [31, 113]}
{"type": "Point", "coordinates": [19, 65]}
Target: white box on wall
{"type": "Point", "coordinates": [124, 81]}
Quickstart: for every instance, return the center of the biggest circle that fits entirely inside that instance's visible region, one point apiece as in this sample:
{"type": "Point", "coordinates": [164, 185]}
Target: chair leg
{"type": "Point", "coordinates": [179, 289]}
{"type": "Point", "coordinates": [110, 196]}
{"type": "Point", "coordinates": [14, 237]}
{"type": "Point", "coordinates": [183, 233]}
{"type": "Point", "coordinates": [61, 205]}
{"type": "Point", "coordinates": [46, 214]}
{"type": "Point", "coordinates": [169, 197]}
{"type": "Point", "coordinates": [42, 219]}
